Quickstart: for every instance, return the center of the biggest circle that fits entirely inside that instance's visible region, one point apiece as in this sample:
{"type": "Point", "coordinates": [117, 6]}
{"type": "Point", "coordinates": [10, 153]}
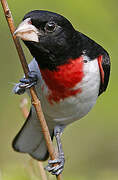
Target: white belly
{"type": "Point", "coordinates": [74, 107]}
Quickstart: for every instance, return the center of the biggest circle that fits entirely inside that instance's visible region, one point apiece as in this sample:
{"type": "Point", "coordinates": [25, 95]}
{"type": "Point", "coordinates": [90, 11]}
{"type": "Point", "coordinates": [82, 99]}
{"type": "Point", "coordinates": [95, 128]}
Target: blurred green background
{"type": "Point", "coordinates": [90, 145]}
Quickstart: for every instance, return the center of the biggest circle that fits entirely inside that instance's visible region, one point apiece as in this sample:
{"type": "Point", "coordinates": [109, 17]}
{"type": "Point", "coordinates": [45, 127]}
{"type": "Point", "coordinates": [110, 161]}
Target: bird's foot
{"type": "Point", "coordinates": [18, 90]}
{"type": "Point", "coordinates": [26, 83]}
{"type": "Point", "coordinates": [58, 168]}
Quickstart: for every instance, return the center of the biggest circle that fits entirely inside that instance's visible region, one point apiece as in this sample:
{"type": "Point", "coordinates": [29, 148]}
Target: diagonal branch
{"type": "Point", "coordinates": [35, 100]}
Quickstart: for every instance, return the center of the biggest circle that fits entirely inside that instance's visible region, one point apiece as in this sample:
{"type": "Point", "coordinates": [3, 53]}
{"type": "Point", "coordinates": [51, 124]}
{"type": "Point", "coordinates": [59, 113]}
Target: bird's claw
{"type": "Point", "coordinates": [30, 81]}
{"type": "Point", "coordinates": [18, 90]}
{"type": "Point", "coordinates": [57, 169]}
{"type": "Point", "coordinates": [26, 83]}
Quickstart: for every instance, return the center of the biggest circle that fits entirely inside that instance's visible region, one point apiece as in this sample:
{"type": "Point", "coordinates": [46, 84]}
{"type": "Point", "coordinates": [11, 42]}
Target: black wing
{"type": "Point", "coordinates": [106, 69]}
{"type": "Point", "coordinates": [93, 51]}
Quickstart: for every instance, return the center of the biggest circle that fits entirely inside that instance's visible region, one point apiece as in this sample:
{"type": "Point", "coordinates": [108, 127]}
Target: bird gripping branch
{"type": "Point", "coordinates": [35, 100]}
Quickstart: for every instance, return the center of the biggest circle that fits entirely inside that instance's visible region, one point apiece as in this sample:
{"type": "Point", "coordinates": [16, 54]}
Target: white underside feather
{"type": "Point", "coordinates": [70, 109]}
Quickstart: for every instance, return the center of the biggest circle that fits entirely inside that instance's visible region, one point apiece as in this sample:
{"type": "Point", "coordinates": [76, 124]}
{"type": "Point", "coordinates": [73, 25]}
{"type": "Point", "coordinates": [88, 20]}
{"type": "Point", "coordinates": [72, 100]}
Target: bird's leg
{"type": "Point", "coordinates": [26, 83]}
{"type": "Point", "coordinates": [56, 170]}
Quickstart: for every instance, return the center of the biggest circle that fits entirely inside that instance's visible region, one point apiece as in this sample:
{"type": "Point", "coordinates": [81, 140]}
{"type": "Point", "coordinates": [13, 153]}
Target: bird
{"type": "Point", "coordinates": [69, 71]}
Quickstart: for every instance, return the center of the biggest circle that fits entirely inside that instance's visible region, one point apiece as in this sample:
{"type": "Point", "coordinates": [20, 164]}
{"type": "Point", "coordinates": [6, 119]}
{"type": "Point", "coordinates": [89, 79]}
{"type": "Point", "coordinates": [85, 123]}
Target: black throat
{"type": "Point", "coordinates": [52, 56]}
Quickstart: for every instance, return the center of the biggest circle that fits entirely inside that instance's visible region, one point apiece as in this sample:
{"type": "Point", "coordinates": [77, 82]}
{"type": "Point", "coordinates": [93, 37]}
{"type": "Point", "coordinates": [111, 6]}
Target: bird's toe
{"type": "Point", "coordinates": [55, 169]}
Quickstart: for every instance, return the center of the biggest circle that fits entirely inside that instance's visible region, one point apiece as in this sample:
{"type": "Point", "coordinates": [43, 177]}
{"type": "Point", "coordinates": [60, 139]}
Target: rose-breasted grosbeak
{"type": "Point", "coordinates": [69, 70]}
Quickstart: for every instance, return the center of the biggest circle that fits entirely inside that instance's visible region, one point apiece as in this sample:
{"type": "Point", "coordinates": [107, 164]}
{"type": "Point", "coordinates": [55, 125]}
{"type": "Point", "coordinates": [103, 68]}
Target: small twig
{"type": "Point", "coordinates": [42, 171]}
{"type": "Point", "coordinates": [35, 99]}
{"type": "Point", "coordinates": [23, 107]}
{"type": "Point", "coordinates": [25, 113]}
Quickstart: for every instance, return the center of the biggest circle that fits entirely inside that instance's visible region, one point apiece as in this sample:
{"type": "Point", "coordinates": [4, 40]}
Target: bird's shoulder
{"type": "Point", "coordinates": [95, 51]}
{"type": "Point", "coordinates": [33, 66]}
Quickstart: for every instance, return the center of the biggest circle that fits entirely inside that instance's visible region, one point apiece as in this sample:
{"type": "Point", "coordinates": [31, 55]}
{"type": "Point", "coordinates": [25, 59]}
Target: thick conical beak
{"type": "Point", "coordinates": [27, 32]}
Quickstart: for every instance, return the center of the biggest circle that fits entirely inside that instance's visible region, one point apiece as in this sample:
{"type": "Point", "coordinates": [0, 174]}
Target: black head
{"type": "Point", "coordinates": [49, 37]}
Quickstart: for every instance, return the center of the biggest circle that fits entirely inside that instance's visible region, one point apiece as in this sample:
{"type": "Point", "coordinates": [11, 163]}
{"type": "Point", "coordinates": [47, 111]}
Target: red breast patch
{"type": "Point", "coordinates": [62, 81]}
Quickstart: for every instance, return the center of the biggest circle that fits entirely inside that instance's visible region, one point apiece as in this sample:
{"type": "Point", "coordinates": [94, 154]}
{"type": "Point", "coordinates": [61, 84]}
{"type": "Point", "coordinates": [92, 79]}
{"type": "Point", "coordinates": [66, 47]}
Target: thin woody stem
{"type": "Point", "coordinates": [35, 100]}
{"type": "Point", "coordinates": [42, 171]}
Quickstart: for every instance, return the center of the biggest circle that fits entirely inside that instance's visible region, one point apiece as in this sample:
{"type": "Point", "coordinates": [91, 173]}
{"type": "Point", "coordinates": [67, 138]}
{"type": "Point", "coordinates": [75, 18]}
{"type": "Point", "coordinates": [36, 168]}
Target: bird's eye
{"type": "Point", "coordinates": [50, 27]}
